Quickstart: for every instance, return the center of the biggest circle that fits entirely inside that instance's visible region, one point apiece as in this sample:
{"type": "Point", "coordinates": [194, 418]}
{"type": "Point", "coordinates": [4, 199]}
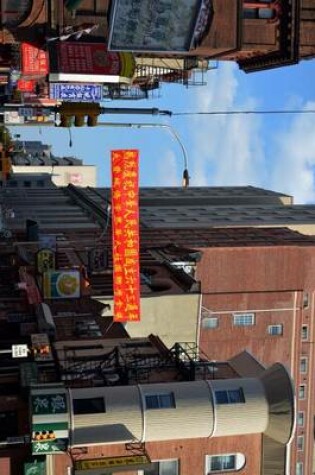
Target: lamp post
{"type": "Point", "coordinates": [149, 125]}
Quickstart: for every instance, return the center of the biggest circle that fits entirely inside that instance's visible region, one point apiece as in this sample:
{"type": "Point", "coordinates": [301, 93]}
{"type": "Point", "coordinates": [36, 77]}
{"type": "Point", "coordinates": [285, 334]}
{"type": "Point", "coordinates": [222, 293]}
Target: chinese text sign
{"type": "Point", "coordinates": [125, 222]}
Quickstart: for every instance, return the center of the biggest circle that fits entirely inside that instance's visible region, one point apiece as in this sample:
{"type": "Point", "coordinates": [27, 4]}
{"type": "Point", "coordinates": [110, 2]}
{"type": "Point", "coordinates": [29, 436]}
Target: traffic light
{"type": "Point", "coordinates": [74, 113]}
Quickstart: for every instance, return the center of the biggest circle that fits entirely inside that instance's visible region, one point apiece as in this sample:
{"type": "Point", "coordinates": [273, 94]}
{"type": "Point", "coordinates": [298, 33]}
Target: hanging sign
{"type": "Point", "coordinates": [71, 92]}
{"type": "Point", "coordinates": [50, 420]}
{"type": "Point", "coordinates": [34, 60]}
{"type": "Point", "coordinates": [125, 219]}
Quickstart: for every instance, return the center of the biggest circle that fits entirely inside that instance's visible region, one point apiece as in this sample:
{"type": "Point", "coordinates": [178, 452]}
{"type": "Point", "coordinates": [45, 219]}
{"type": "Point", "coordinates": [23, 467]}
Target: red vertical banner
{"type": "Point", "coordinates": [125, 228]}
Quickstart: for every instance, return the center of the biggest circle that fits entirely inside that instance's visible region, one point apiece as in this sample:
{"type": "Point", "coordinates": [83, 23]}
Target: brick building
{"type": "Point", "coordinates": [102, 372]}
{"type": "Point", "coordinates": [257, 283]}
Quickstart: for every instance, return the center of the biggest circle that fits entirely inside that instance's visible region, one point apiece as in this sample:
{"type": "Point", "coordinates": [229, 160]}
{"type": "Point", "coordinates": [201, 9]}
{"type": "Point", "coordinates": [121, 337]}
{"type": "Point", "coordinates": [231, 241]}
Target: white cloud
{"type": "Point", "coordinates": [248, 149]}
{"type": "Point", "coordinates": [227, 149]}
{"type": "Point", "coordinates": [293, 169]}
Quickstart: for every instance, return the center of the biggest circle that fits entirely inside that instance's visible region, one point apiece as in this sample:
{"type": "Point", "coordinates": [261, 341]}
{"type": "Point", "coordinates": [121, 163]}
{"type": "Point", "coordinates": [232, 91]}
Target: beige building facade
{"type": "Point", "coordinates": [62, 175]}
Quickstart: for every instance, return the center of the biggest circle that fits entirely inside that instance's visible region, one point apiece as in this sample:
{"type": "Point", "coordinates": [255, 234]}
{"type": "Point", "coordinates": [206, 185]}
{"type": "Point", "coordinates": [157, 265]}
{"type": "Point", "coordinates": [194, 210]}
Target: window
{"type": "Point", "coordinates": [93, 405]}
{"type": "Point", "coordinates": [224, 462]}
{"type": "Point", "coordinates": [275, 329]}
{"type": "Point", "coordinates": [300, 442]}
{"type": "Point", "coordinates": [254, 12]}
{"type": "Point", "coordinates": [258, 13]}
{"type": "Point", "coordinates": [299, 468]}
{"type": "Point", "coordinates": [210, 323]}
{"type": "Point", "coordinates": [163, 467]}
{"type": "Point", "coordinates": [305, 300]}
{"type": "Point", "coordinates": [27, 184]}
{"type": "Point", "coordinates": [232, 396]}
{"type": "Point", "coordinates": [244, 319]}
{"type": "Point", "coordinates": [160, 401]}
{"type": "Point", "coordinates": [302, 391]}
{"type": "Point", "coordinates": [300, 419]}
{"type": "Point", "coordinates": [8, 424]}
{"type": "Point", "coordinates": [304, 333]}
{"type": "Point", "coordinates": [303, 364]}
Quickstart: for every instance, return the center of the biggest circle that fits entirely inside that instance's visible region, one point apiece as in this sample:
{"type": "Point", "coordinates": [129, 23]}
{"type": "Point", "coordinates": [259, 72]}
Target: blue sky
{"type": "Point", "coordinates": [275, 152]}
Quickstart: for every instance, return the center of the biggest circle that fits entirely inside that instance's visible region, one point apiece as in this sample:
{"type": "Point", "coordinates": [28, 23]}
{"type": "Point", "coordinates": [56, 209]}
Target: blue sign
{"type": "Point", "coordinates": [76, 92]}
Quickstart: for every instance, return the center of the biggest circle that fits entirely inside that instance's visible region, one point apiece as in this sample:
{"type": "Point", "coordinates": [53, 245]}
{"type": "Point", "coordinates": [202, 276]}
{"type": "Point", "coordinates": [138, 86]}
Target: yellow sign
{"type": "Point", "coordinates": [111, 462]}
{"type": "Point", "coordinates": [61, 284]}
{"type": "Point", "coordinates": [45, 260]}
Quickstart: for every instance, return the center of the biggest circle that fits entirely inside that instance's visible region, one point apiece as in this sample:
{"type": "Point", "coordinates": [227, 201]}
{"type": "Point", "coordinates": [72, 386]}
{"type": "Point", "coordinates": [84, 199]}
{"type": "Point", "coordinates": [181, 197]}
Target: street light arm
{"type": "Point", "coordinates": [148, 125]}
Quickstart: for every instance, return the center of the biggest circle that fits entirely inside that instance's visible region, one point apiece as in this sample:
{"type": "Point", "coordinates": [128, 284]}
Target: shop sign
{"type": "Point", "coordinates": [26, 111]}
{"type": "Point", "coordinates": [61, 284]}
{"type": "Point", "coordinates": [41, 347]}
{"type": "Point", "coordinates": [125, 219]}
{"type": "Point", "coordinates": [50, 420]}
{"type": "Point", "coordinates": [45, 260]}
{"type": "Point", "coordinates": [34, 60]}
{"type": "Point", "coordinates": [24, 85]}
{"type": "Point", "coordinates": [35, 468]}
{"type": "Point", "coordinates": [47, 446]}
{"type": "Point", "coordinates": [13, 118]}
{"type": "Point", "coordinates": [49, 403]}
{"type": "Point", "coordinates": [93, 58]}
{"type": "Point", "coordinates": [111, 462]}
{"type": "Point", "coordinates": [19, 351]}
{"type": "Point", "coordinates": [147, 25]}
{"type": "Point", "coordinates": [68, 92]}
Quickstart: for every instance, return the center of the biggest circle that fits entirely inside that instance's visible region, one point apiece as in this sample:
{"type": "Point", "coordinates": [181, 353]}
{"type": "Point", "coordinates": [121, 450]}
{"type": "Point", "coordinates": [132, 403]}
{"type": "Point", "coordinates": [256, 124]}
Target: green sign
{"type": "Point", "coordinates": [50, 446]}
{"type": "Point", "coordinates": [35, 468]}
{"type": "Point", "coordinates": [49, 404]}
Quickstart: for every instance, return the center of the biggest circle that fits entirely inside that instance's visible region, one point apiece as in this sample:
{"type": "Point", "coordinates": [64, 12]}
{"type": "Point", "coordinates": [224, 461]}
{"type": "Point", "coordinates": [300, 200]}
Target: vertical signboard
{"type": "Point", "coordinates": [34, 60]}
{"type": "Point", "coordinates": [93, 58]}
{"type": "Point", "coordinates": [125, 222]}
{"type": "Point", "coordinates": [50, 420]}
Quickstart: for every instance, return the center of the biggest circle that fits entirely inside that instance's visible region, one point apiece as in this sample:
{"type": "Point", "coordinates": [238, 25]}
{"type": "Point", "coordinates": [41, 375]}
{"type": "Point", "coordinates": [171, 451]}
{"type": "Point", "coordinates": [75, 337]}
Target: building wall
{"type": "Point", "coordinates": [307, 32]}
{"type": "Point", "coordinates": [191, 454]}
{"type": "Point", "coordinates": [174, 318]}
{"type": "Point", "coordinates": [83, 175]}
{"type": "Point", "coordinates": [276, 285]}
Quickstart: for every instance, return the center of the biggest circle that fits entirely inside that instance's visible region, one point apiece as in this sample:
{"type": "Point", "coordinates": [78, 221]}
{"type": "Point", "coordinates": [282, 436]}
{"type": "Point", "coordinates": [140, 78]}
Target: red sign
{"type": "Point", "coordinates": [87, 58]}
{"type": "Point", "coordinates": [26, 85]}
{"type": "Point", "coordinates": [34, 60]}
{"type": "Point", "coordinates": [125, 221]}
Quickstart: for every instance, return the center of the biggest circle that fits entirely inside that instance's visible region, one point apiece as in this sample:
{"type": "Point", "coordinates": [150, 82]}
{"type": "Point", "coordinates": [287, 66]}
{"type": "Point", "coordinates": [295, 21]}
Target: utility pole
{"type": "Point", "coordinates": [78, 111]}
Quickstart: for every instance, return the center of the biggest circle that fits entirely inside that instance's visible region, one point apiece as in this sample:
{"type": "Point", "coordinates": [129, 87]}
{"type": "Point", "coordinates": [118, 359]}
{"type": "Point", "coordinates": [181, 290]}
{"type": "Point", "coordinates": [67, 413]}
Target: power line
{"type": "Point", "coordinates": [244, 112]}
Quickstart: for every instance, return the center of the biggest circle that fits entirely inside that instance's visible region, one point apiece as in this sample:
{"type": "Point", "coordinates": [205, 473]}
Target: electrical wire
{"type": "Point", "coordinates": [244, 112]}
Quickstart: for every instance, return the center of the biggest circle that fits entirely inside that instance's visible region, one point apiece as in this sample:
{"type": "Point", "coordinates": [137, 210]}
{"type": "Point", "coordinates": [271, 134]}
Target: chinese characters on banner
{"type": "Point", "coordinates": [125, 219]}
{"type": "Point", "coordinates": [34, 60]}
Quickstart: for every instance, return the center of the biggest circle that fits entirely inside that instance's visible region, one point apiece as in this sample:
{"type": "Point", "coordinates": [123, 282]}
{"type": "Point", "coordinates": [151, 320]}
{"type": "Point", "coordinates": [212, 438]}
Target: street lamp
{"type": "Point", "coordinates": [169, 128]}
